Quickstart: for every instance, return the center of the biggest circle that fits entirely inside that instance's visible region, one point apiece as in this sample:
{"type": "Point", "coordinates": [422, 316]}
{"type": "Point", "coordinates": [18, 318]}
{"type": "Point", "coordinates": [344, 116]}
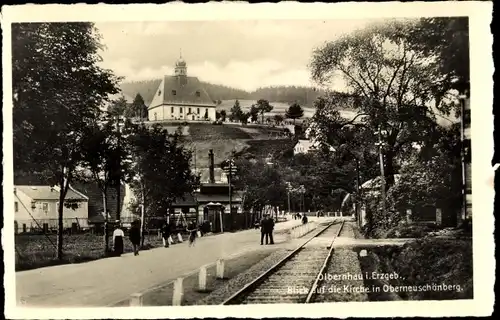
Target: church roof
{"type": "Point", "coordinates": [173, 90]}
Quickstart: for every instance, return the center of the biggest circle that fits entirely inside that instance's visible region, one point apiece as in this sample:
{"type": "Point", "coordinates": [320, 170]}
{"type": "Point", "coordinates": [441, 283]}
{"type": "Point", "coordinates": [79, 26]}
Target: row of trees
{"type": "Point", "coordinates": [401, 75]}
{"type": "Point", "coordinates": [62, 132]}
{"type": "Point", "coordinates": [262, 106]}
{"type": "Point", "coordinates": [136, 109]}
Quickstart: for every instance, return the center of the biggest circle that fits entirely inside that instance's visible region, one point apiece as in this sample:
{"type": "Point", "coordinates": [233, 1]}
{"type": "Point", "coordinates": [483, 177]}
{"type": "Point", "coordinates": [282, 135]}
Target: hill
{"type": "Point", "coordinates": [227, 138]}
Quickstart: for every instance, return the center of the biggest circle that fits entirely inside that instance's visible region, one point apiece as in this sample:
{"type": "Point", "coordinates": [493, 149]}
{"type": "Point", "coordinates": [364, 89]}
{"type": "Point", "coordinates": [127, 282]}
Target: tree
{"type": "Point", "coordinates": [446, 39]}
{"type": "Point", "coordinates": [391, 86]}
{"type": "Point", "coordinates": [138, 108]}
{"type": "Point", "coordinates": [278, 119]}
{"type": "Point", "coordinates": [236, 112]}
{"type": "Point", "coordinates": [254, 113]}
{"type": "Point", "coordinates": [217, 115]}
{"type": "Point", "coordinates": [108, 161]}
{"type": "Point", "coordinates": [295, 111]}
{"type": "Point", "coordinates": [223, 115]}
{"type": "Point", "coordinates": [244, 117]}
{"type": "Point", "coordinates": [163, 169]}
{"type": "Point", "coordinates": [58, 89]}
{"type": "Point", "coordinates": [263, 106]}
{"type": "Point", "coordinates": [119, 108]}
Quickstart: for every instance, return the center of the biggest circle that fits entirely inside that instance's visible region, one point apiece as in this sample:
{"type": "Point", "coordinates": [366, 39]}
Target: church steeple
{"type": "Point", "coordinates": [180, 66]}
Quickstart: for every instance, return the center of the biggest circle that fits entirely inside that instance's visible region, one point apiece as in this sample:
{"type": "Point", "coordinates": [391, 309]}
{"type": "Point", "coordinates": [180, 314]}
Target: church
{"type": "Point", "coordinates": [180, 97]}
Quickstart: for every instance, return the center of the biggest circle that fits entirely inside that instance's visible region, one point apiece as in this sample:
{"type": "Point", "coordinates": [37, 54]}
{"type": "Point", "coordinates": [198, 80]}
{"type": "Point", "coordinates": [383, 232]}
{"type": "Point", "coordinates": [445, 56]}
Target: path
{"type": "Point", "coordinates": [107, 281]}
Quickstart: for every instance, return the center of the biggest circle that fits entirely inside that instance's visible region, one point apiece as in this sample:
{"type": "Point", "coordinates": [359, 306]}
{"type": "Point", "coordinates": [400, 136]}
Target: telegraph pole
{"type": "Point", "coordinates": [118, 189]}
{"type": "Point", "coordinates": [380, 145]}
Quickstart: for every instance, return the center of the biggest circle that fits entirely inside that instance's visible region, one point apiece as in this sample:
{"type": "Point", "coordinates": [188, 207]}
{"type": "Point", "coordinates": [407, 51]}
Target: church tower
{"type": "Point", "coordinates": [181, 70]}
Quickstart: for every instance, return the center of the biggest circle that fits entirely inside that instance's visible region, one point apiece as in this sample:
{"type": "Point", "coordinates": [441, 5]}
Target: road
{"type": "Point", "coordinates": [107, 281]}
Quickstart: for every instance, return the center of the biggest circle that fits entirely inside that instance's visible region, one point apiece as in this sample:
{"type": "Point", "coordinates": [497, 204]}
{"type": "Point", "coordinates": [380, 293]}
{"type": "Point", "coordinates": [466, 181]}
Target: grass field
{"type": "Point", "coordinates": [36, 251]}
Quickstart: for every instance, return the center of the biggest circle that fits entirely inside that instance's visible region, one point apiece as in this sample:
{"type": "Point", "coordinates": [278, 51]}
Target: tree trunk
{"type": "Point", "coordinates": [63, 184]}
{"type": "Point", "coordinates": [60, 228]}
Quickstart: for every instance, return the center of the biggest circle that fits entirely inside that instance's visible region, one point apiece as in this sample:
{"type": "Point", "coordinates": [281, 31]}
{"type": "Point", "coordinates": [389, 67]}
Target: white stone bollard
{"type": "Point", "coordinates": [179, 238]}
{"type": "Point", "coordinates": [288, 235]}
{"type": "Point", "coordinates": [363, 253]}
{"type": "Point", "coordinates": [136, 300]}
{"type": "Point", "coordinates": [202, 279]}
{"type": "Point", "coordinates": [220, 269]}
{"type": "Point", "coordinates": [178, 292]}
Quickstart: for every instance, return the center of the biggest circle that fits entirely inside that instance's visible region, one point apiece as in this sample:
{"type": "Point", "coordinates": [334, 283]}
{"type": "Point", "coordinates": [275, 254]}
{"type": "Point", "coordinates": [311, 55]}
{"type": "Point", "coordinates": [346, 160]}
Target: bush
{"type": "Point", "coordinates": [430, 262]}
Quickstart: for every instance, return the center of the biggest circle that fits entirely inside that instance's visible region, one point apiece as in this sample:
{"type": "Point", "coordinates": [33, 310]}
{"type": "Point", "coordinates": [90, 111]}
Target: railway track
{"type": "Point", "coordinates": [295, 278]}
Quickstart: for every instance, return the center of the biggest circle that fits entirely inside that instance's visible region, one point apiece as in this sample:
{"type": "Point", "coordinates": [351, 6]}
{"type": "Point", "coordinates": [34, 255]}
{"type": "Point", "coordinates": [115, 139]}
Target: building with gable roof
{"type": "Point", "coordinates": [180, 97]}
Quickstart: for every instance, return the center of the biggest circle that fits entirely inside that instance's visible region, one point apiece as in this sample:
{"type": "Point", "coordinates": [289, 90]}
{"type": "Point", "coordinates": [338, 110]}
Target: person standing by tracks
{"type": "Point", "coordinates": [270, 229]}
{"type": "Point", "coordinates": [135, 236]}
{"type": "Point", "coordinates": [264, 229]}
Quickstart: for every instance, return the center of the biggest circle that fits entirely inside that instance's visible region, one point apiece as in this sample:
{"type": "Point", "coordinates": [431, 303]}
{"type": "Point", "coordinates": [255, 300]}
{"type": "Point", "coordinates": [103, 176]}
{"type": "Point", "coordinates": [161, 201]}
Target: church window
{"type": "Point", "coordinates": [198, 110]}
{"type": "Point", "coordinates": [159, 92]}
{"type": "Point", "coordinates": [174, 92]}
{"type": "Point", "coordinates": [180, 110]}
{"type": "Point", "coordinates": [172, 110]}
{"type": "Point", "coordinates": [189, 110]}
{"type": "Point", "coordinates": [197, 93]}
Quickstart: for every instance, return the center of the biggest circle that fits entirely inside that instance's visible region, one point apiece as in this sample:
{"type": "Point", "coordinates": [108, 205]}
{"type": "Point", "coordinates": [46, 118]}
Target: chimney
{"type": "Point", "coordinates": [211, 164]}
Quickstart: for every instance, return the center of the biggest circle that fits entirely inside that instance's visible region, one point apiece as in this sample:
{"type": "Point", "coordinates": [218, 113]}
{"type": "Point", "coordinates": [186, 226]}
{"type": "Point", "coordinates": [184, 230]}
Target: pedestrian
{"type": "Point", "coordinates": [270, 230]}
{"type": "Point", "coordinates": [304, 219]}
{"type": "Point", "coordinates": [135, 237]}
{"type": "Point", "coordinates": [192, 230]}
{"type": "Point", "coordinates": [264, 227]}
{"type": "Point", "coordinates": [118, 236]}
{"type": "Point", "coordinates": [165, 234]}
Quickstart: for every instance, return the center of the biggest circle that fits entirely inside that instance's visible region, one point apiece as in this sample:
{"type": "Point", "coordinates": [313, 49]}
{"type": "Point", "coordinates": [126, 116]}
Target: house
{"type": "Point", "coordinates": [180, 97]}
{"type": "Point", "coordinates": [95, 203]}
{"type": "Point", "coordinates": [36, 207]}
{"type": "Point", "coordinates": [302, 146]}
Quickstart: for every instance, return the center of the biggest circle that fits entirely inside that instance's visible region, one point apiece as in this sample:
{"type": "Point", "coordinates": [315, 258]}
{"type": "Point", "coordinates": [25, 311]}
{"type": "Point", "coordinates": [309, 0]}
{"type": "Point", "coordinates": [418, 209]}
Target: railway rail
{"type": "Point", "coordinates": [296, 277]}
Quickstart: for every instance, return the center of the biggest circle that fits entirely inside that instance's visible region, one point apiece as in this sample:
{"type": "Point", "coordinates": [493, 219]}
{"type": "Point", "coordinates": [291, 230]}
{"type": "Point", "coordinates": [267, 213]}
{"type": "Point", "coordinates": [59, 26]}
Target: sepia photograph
{"type": "Point", "coordinates": [217, 161]}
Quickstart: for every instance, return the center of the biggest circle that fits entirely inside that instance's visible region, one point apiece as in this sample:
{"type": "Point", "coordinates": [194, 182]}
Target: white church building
{"type": "Point", "coordinates": [180, 97]}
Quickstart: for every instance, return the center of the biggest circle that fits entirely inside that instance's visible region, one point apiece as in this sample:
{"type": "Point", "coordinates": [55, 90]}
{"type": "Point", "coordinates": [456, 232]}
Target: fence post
{"type": "Point", "coordinates": [408, 215]}
{"type": "Point", "coordinates": [178, 292]}
{"type": "Point", "coordinates": [202, 279]}
{"type": "Point", "coordinates": [220, 269]}
{"type": "Point", "coordinates": [136, 300]}
{"type": "Point", "coordinates": [439, 217]}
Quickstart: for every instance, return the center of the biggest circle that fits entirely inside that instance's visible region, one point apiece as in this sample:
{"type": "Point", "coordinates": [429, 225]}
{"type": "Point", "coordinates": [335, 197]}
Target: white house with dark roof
{"type": "Point", "coordinates": [180, 97]}
{"type": "Point", "coordinates": [36, 206]}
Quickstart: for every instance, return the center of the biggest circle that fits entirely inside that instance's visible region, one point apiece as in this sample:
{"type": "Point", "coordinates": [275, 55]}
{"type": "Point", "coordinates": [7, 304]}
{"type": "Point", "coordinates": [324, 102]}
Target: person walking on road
{"type": "Point", "coordinates": [165, 234]}
{"type": "Point", "coordinates": [135, 237]}
{"type": "Point", "coordinates": [304, 219]}
{"type": "Point", "coordinates": [192, 230]}
{"type": "Point", "coordinates": [118, 236]}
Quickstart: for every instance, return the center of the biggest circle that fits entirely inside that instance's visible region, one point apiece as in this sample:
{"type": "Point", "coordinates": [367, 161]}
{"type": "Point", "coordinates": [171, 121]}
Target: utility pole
{"type": "Point", "coordinates": [380, 145]}
{"type": "Point", "coordinates": [118, 189]}
{"type": "Point", "coordinates": [356, 205]}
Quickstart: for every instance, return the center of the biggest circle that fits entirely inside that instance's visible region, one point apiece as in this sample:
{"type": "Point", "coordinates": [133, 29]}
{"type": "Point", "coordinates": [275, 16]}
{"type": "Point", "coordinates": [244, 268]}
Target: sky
{"type": "Point", "coordinates": [240, 54]}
